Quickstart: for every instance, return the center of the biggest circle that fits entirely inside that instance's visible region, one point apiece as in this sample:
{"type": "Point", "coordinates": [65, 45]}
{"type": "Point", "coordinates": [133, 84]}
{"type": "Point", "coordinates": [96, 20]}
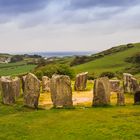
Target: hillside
{"type": "Point", "coordinates": [113, 62]}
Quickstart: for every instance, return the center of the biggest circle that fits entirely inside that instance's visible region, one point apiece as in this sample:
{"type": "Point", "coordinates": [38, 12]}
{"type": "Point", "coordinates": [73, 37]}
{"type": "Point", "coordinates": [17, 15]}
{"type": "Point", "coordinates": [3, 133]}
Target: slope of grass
{"type": "Point", "coordinates": [113, 63]}
{"type": "Point", "coordinates": [114, 122]}
{"type": "Point", "coordinates": [15, 68]}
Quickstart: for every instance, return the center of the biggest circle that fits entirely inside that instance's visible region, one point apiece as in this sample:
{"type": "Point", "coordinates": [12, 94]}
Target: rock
{"type": "Point", "coordinates": [31, 91]}
{"type": "Point", "coordinates": [101, 93]}
{"type": "Point", "coordinates": [61, 91]}
{"type": "Point", "coordinates": [114, 85]}
{"type": "Point", "coordinates": [81, 81]}
{"type": "Point", "coordinates": [130, 83]}
{"type": "Point", "coordinates": [23, 82]}
{"type": "Point", "coordinates": [137, 97]}
{"type": "Point", "coordinates": [10, 88]}
{"type": "Point", "coordinates": [120, 96]}
{"type": "Point", "coordinates": [45, 84]}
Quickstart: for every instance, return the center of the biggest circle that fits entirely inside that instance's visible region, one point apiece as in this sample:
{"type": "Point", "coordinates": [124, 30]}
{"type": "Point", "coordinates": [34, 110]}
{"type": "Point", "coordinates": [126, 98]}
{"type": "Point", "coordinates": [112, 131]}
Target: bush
{"type": "Point", "coordinates": [134, 59]}
{"type": "Point", "coordinates": [39, 74]}
{"type": "Point", "coordinates": [107, 74]}
{"type": "Point", "coordinates": [51, 69]}
{"type": "Point", "coordinates": [16, 58]}
{"type": "Point", "coordinates": [91, 76]}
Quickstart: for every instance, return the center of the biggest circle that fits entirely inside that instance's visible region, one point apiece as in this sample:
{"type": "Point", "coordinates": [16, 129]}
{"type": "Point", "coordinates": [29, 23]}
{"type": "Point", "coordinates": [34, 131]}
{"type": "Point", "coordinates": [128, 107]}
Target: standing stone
{"type": "Point", "coordinates": [23, 82]}
{"type": "Point", "coordinates": [31, 91]}
{"type": "Point", "coordinates": [61, 91]}
{"type": "Point", "coordinates": [10, 88]}
{"type": "Point", "coordinates": [130, 83]}
{"type": "Point", "coordinates": [45, 84]}
{"type": "Point", "coordinates": [81, 81]}
{"type": "Point", "coordinates": [120, 96]}
{"type": "Point", "coordinates": [101, 93]}
{"type": "Point", "coordinates": [114, 85]}
{"type": "Point", "coordinates": [137, 96]}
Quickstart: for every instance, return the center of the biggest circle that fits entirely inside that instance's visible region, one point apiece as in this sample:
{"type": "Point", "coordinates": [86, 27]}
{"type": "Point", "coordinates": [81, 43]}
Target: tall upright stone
{"type": "Point", "coordinates": [31, 91]}
{"type": "Point", "coordinates": [45, 84]}
{"type": "Point", "coordinates": [130, 83]}
{"type": "Point", "coordinates": [10, 89]}
{"type": "Point", "coordinates": [81, 81]}
{"type": "Point", "coordinates": [61, 91]}
{"type": "Point", "coordinates": [120, 96]}
{"type": "Point", "coordinates": [23, 82]}
{"type": "Point", "coordinates": [101, 92]}
{"type": "Point", "coordinates": [114, 85]}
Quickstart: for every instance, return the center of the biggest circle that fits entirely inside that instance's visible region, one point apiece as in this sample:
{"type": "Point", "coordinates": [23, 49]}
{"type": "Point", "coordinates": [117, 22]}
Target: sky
{"type": "Point", "coordinates": [67, 25]}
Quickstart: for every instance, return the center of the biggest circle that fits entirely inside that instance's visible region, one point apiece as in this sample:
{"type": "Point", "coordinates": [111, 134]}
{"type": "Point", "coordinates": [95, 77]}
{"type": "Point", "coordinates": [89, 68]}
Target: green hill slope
{"type": "Point", "coordinates": [114, 62]}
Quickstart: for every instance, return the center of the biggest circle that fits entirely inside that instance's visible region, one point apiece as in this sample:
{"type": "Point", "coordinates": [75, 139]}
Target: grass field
{"type": "Point", "coordinates": [82, 123]}
{"type": "Point", "coordinates": [111, 63]}
{"type": "Point", "coordinates": [15, 68]}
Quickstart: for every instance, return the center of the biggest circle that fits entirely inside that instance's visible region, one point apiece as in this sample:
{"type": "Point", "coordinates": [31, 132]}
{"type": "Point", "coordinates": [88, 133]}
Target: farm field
{"type": "Point", "coordinates": [15, 68]}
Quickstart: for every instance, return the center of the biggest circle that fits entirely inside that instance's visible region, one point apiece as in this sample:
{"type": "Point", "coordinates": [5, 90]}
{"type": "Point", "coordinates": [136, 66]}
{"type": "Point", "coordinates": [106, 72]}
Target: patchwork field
{"type": "Point", "coordinates": [15, 68]}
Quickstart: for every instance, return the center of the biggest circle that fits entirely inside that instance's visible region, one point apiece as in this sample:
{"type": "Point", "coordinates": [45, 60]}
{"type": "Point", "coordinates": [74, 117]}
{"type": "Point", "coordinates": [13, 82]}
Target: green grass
{"type": "Point", "coordinates": [113, 122]}
{"type": "Point", "coordinates": [15, 68]}
{"type": "Point", "coordinates": [111, 63]}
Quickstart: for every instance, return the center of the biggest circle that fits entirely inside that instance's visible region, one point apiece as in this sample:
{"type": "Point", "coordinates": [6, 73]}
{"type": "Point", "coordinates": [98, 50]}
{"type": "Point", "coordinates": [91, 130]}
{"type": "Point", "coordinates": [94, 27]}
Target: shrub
{"type": "Point", "coordinates": [39, 74]}
{"type": "Point", "coordinates": [51, 69]}
{"type": "Point", "coordinates": [91, 76]}
{"type": "Point", "coordinates": [16, 58]}
{"type": "Point", "coordinates": [107, 74]}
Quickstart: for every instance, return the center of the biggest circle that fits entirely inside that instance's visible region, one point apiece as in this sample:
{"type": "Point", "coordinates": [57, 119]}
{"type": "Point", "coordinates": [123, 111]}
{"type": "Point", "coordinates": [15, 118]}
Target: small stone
{"type": "Point", "coordinates": [45, 84]}
{"type": "Point", "coordinates": [81, 81]}
{"type": "Point", "coordinates": [120, 97]}
{"type": "Point", "coordinates": [114, 85]}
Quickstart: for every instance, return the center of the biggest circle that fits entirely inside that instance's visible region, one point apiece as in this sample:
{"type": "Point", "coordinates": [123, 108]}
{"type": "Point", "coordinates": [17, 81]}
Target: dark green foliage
{"type": "Point", "coordinates": [91, 76]}
{"type": "Point", "coordinates": [107, 74]}
{"type": "Point", "coordinates": [80, 60]}
{"type": "Point", "coordinates": [39, 74]}
{"type": "Point", "coordinates": [134, 59]}
{"type": "Point", "coordinates": [16, 58]}
{"type": "Point", "coordinates": [32, 56]}
{"type": "Point", "coordinates": [51, 69]}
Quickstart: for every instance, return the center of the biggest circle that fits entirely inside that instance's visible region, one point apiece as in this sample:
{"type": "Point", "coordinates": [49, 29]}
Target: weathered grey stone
{"type": "Point", "coordinates": [137, 96]}
{"type": "Point", "coordinates": [120, 96]}
{"type": "Point", "coordinates": [10, 89]}
{"type": "Point", "coordinates": [81, 81]}
{"type": "Point", "coordinates": [130, 83]}
{"type": "Point", "coordinates": [114, 85]}
{"type": "Point", "coordinates": [101, 92]}
{"type": "Point", "coordinates": [45, 84]}
{"type": "Point", "coordinates": [31, 91]}
{"type": "Point", "coordinates": [61, 91]}
{"type": "Point", "coordinates": [23, 82]}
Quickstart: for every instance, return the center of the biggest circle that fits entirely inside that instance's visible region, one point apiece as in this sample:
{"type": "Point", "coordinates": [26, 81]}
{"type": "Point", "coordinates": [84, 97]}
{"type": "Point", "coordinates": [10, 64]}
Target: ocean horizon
{"type": "Point", "coordinates": [60, 53]}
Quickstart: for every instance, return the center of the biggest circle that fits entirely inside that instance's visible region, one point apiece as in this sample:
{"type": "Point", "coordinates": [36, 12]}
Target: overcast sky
{"type": "Point", "coordinates": [67, 25]}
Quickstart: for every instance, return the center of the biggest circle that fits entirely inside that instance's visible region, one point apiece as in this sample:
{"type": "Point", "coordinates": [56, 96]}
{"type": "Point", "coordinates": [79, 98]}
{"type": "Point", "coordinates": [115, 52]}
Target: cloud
{"type": "Point", "coordinates": [20, 6]}
{"type": "Point", "coordinates": [102, 3]}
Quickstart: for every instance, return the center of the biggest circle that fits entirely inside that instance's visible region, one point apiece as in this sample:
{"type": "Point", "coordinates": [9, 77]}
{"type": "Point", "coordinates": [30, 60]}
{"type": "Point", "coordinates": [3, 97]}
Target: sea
{"type": "Point", "coordinates": [63, 54]}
